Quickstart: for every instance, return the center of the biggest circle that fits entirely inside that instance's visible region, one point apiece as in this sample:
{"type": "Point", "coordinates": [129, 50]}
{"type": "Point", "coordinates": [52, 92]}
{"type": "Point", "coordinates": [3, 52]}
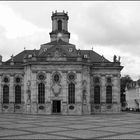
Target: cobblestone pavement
{"type": "Point", "coordinates": [119, 126]}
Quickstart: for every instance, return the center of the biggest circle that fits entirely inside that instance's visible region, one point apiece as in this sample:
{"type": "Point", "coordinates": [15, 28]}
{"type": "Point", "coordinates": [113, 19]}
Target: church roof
{"type": "Point", "coordinates": [62, 48]}
{"type": "Point", "coordinates": [92, 55]}
{"type": "Point", "coordinates": [95, 57]}
{"type": "Point", "coordinates": [19, 57]}
{"type": "Point", "coordinates": [59, 42]}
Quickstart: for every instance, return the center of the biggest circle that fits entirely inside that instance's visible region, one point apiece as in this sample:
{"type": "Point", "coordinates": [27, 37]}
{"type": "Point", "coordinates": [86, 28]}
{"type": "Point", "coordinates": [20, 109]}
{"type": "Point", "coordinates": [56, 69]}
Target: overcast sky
{"type": "Point", "coordinates": [109, 27]}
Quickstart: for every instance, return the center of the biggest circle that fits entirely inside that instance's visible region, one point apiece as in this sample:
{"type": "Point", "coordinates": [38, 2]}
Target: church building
{"type": "Point", "coordinates": [59, 78]}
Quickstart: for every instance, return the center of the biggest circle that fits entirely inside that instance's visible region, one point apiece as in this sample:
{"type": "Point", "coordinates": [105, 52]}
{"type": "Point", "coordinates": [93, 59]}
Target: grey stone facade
{"type": "Point", "coordinates": [58, 56]}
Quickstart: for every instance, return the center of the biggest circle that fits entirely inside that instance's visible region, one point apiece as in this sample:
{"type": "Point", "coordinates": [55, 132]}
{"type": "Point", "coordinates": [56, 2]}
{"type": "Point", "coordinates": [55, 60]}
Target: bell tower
{"type": "Point", "coordinates": [60, 26]}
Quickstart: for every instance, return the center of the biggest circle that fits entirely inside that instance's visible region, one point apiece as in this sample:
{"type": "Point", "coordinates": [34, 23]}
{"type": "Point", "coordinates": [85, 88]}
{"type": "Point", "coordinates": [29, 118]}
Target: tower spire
{"type": "Point", "coordinates": [60, 26]}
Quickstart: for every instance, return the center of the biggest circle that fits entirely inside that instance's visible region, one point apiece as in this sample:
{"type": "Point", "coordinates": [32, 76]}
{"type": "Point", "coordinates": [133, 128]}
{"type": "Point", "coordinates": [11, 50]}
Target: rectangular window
{"type": "Point", "coordinates": [41, 93]}
{"type": "Point", "coordinates": [5, 94]}
{"type": "Point", "coordinates": [109, 94]}
{"type": "Point", "coordinates": [97, 95]}
{"type": "Point", "coordinates": [18, 94]}
{"type": "Point", "coordinates": [71, 93]}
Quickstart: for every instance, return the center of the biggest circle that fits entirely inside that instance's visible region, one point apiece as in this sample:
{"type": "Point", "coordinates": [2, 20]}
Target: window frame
{"type": "Point", "coordinates": [71, 93]}
{"type": "Point", "coordinates": [97, 96]}
{"type": "Point", "coordinates": [41, 93]}
{"type": "Point", "coordinates": [109, 94]}
{"type": "Point", "coordinates": [59, 22]}
{"type": "Point", "coordinates": [17, 94]}
{"type": "Point", "coordinates": [5, 94]}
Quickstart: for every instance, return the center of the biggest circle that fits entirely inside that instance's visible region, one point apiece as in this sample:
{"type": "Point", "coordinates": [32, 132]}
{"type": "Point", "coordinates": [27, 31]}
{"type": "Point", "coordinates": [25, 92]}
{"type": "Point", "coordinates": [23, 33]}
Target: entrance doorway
{"type": "Point", "coordinates": [56, 106]}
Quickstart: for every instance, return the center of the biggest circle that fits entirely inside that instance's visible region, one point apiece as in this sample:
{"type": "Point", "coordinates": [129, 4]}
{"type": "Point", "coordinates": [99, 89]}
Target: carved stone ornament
{"type": "Point", "coordinates": [56, 88]}
{"type": "Point", "coordinates": [57, 54]}
{"type": "Point", "coordinates": [84, 96]}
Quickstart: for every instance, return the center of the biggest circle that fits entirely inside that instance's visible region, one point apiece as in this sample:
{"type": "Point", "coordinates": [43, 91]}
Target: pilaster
{"type": "Point", "coordinates": [11, 94]}
{"type": "Point", "coordinates": [116, 94]}
{"type": "Point", "coordinates": [116, 90]}
{"type": "Point", "coordinates": [33, 94]}
{"type": "Point", "coordinates": [0, 93]}
{"type": "Point", "coordinates": [103, 94]}
{"type": "Point", "coordinates": [48, 93]}
{"type": "Point", "coordinates": [64, 87]}
{"type": "Point", "coordinates": [78, 88]}
{"type": "Point", "coordinates": [48, 88]}
{"type": "Point", "coordinates": [103, 90]}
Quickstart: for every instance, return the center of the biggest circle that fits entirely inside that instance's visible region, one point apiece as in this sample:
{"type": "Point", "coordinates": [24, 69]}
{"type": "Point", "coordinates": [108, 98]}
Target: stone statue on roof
{"type": "Point", "coordinates": [115, 58]}
{"type": "Point", "coordinates": [119, 59]}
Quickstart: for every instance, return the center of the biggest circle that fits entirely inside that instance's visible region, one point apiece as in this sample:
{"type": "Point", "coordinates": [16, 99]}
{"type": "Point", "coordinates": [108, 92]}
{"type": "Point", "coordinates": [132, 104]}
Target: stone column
{"type": "Point", "coordinates": [27, 88]}
{"type": "Point", "coordinates": [115, 90]}
{"type": "Point", "coordinates": [78, 88]}
{"type": "Point", "coordinates": [103, 93]}
{"type": "Point", "coordinates": [65, 93]}
{"type": "Point", "coordinates": [33, 93]}
{"type": "Point", "coordinates": [22, 97]}
{"type": "Point", "coordinates": [0, 93]}
{"type": "Point", "coordinates": [25, 93]}
{"type": "Point", "coordinates": [103, 90]}
{"type": "Point", "coordinates": [64, 87]}
{"type": "Point", "coordinates": [116, 94]}
{"type": "Point", "coordinates": [11, 94]}
{"type": "Point", "coordinates": [78, 93]}
{"type": "Point", "coordinates": [91, 94]}
{"type": "Point", "coordinates": [48, 93]}
{"type": "Point", "coordinates": [48, 88]}
{"type": "Point", "coordinates": [86, 102]}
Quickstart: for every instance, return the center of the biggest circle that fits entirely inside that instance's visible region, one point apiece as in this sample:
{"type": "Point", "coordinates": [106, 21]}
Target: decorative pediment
{"type": "Point", "coordinates": [57, 54]}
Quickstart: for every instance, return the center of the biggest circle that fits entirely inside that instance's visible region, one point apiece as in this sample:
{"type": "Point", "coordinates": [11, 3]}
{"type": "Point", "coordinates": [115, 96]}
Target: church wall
{"type": "Point", "coordinates": [73, 78]}
{"type": "Point", "coordinates": [10, 74]}
{"type": "Point", "coordinates": [0, 93]}
{"type": "Point", "coordinates": [84, 82]}
{"type": "Point", "coordinates": [49, 96]}
{"type": "Point", "coordinates": [86, 90]}
{"type": "Point", "coordinates": [103, 106]}
{"type": "Point", "coordinates": [48, 93]}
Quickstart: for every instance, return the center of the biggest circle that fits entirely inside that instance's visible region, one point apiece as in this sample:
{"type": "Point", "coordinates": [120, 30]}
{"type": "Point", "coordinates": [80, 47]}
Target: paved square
{"type": "Point", "coordinates": [110, 126]}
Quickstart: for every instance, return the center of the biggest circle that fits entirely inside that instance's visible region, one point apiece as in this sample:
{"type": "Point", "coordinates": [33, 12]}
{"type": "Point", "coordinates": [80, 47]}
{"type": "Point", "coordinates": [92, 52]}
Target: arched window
{"type": "Point", "coordinates": [59, 25]}
{"type": "Point", "coordinates": [17, 94]}
{"type": "Point", "coordinates": [71, 93]}
{"type": "Point", "coordinates": [109, 94]}
{"type": "Point", "coordinates": [5, 94]}
{"type": "Point", "coordinates": [97, 95]}
{"type": "Point", "coordinates": [56, 77]}
{"type": "Point", "coordinates": [41, 93]}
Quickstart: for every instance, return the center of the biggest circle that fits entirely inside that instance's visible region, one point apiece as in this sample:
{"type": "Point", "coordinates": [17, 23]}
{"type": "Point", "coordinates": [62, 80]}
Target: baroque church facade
{"type": "Point", "coordinates": [59, 79]}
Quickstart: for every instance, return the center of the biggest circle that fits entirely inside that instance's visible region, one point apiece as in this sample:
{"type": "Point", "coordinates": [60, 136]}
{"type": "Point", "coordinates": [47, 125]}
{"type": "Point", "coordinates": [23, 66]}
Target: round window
{"type": "Point", "coordinates": [41, 77]}
{"type": "Point", "coordinates": [71, 77]}
{"type": "Point", "coordinates": [56, 77]}
{"type": "Point", "coordinates": [71, 107]}
{"type": "Point", "coordinates": [41, 107]}
{"type": "Point", "coordinates": [17, 80]}
{"type": "Point", "coordinates": [6, 80]}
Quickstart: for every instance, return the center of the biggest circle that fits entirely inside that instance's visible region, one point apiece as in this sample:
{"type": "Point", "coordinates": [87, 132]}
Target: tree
{"type": "Point", "coordinates": [138, 82]}
{"type": "Point", "coordinates": [125, 82]}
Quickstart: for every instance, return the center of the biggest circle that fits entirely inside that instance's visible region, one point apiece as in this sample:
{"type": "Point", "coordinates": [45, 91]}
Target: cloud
{"type": "Point", "coordinates": [109, 27]}
{"type": "Point", "coordinates": [14, 26]}
{"type": "Point", "coordinates": [17, 33]}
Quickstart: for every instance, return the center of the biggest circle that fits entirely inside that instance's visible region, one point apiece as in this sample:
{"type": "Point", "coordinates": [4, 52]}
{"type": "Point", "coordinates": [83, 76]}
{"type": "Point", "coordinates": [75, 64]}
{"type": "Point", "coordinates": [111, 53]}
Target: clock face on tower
{"type": "Point", "coordinates": [59, 36]}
